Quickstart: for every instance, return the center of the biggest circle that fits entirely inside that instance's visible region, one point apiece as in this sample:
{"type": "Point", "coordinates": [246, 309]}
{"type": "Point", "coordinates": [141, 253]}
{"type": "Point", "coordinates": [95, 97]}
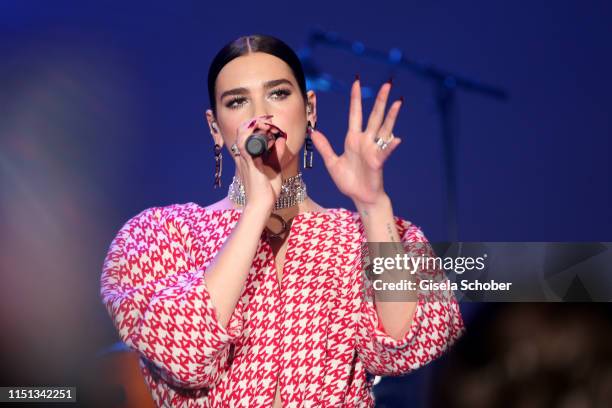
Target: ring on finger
{"type": "Point", "coordinates": [381, 143]}
{"type": "Point", "coordinates": [235, 150]}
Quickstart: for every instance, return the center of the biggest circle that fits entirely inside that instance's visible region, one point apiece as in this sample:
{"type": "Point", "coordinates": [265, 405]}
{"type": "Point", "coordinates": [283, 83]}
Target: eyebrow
{"type": "Point", "coordinates": [267, 85]}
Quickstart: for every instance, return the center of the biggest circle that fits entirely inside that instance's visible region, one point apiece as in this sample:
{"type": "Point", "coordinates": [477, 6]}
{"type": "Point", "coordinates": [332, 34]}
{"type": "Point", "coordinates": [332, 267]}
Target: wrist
{"type": "Point", "coordinates": [380, 204]}
{"type": "Point", "coordinates": [260, 210]}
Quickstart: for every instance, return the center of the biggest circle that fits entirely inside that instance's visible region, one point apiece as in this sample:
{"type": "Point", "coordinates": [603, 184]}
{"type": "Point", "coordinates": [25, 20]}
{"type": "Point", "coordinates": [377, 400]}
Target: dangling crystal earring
{"type": "Point", "coordinates": [218, 165]}
{"type": "Point", "coordinates": [308, 148]}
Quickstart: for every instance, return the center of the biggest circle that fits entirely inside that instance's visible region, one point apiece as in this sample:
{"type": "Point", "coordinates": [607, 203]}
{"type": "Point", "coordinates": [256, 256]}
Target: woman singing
{"type": "Point", "coordinates": [257, 300]}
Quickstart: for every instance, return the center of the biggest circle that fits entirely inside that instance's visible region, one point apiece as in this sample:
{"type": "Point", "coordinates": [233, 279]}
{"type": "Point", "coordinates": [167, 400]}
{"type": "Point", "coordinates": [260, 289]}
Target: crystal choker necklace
{"type": "Point", "coordinates": [293, 192]}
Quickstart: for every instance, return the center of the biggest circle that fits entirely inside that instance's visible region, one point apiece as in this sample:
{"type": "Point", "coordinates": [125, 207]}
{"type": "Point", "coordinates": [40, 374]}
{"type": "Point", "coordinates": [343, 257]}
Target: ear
{"type": "Point", "coordinates": [311, 100]}
{"type": "Point", "coordinates": [214, 127]}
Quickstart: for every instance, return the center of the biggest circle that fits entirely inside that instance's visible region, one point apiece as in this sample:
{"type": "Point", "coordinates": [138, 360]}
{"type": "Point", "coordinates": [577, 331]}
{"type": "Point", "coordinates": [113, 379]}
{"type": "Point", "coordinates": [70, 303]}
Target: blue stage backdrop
{"type": "Point", "coordinates": [102, 115]}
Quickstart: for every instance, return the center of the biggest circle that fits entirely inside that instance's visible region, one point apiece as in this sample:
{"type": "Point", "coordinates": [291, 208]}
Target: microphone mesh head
{"type": "Point", "coordinates": [256, 145]}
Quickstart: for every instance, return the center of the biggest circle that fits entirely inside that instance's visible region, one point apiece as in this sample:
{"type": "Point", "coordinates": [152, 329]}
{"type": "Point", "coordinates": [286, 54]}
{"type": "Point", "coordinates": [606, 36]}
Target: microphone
{"type": "Point", "coordinates": [257, 145]}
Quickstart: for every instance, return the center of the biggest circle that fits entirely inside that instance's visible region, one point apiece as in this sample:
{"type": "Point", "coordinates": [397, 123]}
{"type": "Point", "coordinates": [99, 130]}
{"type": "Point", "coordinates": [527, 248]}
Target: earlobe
{"type": "Point", "coordinates": [309, 110]}
{"type": "Point", "coordinates": [214, 128]}
{"type": "Point", "coordinates": [215, 133]}
{"type": "Point", "coordinates": [311, 107]}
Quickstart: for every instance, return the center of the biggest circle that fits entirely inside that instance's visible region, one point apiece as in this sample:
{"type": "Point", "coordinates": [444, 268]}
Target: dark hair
{"type": "Point", "coordinates": [248, 44]}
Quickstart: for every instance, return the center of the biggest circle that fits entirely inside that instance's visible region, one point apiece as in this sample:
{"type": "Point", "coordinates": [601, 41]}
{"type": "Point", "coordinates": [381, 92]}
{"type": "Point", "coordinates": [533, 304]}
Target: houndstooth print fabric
{"type": "Point", "coordinates": [316, 334]}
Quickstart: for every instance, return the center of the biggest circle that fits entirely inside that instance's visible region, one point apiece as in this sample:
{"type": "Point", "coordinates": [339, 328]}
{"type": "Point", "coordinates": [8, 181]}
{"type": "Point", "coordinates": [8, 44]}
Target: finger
{"type": "Point", "coordinates": [246, 162]}
{"type": "Point", "coordinates": [240, 161]}
{"type": "Point", "coordinates": [390, 148]}
{"type": "Point", "coordinates": [376, 116]}
{"type": "Point", "coordinates": [260, 117]}
{"type": "Point", "coordinates": [250, 123]}
{"type": "Point", "coordinates": [250, 128]}
{"type": "Point", "coordinates": [260, 127]}
{"type": "Point", "coordinates": [236, 158]}
{"type": "Point", "coordinates": [271, 160]}
{"type": "Point", "coordinates": [244, 156]}
{"type": "Point", "coordinates": [355, 109]}
{"type": "Point", "coordinates": [323, 147]}
{"type": "Point", "coordinates": [245, 130]}
{"type": "Point", "coordinates": [240, 142]}
{"type": "Point", "coordinates": [387, 126]}
{"type": "Point", "coordinates": [276, 130]}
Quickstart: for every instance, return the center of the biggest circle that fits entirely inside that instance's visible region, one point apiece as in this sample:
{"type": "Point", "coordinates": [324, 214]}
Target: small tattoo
{"type": "Point", "coordinates": [392, 238]}
{"type": "Point", "coordinates": [391, 234]}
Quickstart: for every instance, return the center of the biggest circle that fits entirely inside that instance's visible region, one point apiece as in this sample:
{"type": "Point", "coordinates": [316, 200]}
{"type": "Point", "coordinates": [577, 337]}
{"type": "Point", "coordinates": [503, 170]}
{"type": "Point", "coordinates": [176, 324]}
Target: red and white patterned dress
{"type": "Point", "coordinates": [316, 335]}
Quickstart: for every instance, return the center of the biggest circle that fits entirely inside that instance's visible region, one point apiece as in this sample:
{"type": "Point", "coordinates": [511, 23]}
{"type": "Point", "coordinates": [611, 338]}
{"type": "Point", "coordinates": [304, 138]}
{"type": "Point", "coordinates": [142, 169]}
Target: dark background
{"type": "Point", "coordinates": [101, 116]}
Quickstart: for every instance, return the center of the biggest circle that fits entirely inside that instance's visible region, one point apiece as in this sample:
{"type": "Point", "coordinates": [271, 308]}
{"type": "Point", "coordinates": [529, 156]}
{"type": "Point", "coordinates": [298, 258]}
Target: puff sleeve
{"type": "Point", "coordinates": [436, 325]}
{"type": "Point", "coordinates": [159, 303]}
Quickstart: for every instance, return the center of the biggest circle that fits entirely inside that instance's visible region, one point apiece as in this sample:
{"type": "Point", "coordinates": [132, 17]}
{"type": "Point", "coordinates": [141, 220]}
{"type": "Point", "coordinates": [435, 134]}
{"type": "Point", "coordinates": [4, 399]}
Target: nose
{"type": "Point", "coordinates": [260, 108]}
{"type": "Point", "coordinates": [262, 114]}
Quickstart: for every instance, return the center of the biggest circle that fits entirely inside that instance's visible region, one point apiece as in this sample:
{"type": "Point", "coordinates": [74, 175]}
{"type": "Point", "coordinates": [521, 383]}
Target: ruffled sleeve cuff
{"type": "Point", "coordinates": [378, 334]}
{"type": "Point", "coordinates": [235, 324]}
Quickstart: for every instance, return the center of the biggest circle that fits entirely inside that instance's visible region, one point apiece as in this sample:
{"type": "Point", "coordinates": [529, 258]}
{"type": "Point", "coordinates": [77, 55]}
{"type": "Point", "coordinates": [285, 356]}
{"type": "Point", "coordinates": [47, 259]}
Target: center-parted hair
{"type": "Point", "coordinates": [250, 44]}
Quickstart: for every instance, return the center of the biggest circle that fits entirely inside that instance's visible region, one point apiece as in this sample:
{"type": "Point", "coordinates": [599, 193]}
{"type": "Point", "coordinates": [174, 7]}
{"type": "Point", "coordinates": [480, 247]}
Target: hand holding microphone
{"type": "Point", "coordinates": [257, 144]}
{"type": "Point", "coordinates": [259, 170]}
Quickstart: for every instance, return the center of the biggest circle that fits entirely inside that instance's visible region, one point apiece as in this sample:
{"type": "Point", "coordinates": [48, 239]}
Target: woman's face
{"type": "Point", "coordinates": [262, 84]}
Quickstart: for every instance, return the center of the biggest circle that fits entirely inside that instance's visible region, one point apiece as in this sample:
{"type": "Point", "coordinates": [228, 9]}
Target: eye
{"type": "Point", "coordinates": [235, 102]}
{"type": "Point", "coordinates": [281, 93]}
{"type": "Point", "coordinates": [278, 94]}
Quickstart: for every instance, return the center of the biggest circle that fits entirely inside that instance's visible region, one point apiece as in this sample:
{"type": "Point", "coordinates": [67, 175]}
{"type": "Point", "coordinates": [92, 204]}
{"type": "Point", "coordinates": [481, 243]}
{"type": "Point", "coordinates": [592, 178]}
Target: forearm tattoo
{"type": "Point", "coordinates": [391, 230]}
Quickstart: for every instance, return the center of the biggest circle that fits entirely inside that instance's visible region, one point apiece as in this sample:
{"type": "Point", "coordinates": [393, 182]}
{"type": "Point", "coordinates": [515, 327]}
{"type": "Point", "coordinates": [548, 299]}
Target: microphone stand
{"type": "Point", "coordinates": [445, 85]}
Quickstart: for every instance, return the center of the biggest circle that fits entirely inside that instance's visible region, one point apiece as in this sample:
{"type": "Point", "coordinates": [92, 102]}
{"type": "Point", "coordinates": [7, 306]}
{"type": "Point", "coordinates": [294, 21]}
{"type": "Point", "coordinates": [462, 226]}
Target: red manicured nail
{"type": "Point", "coordinates": [356, 77]}
{"type": "Point", "coordinates": [252, 123]}
{"type": "Point", "coordinates": [390, 81]}
{"type": "Point", "coordinates": [401, 99]}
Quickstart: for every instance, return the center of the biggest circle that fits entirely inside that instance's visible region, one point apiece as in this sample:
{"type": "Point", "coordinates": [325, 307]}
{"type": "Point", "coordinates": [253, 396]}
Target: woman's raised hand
{"type": "Point", "coordinates": [358, 171]}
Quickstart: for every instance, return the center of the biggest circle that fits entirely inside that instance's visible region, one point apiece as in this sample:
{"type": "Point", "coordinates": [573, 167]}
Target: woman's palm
{"type": "Point", "coordinates": [358, 171]}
